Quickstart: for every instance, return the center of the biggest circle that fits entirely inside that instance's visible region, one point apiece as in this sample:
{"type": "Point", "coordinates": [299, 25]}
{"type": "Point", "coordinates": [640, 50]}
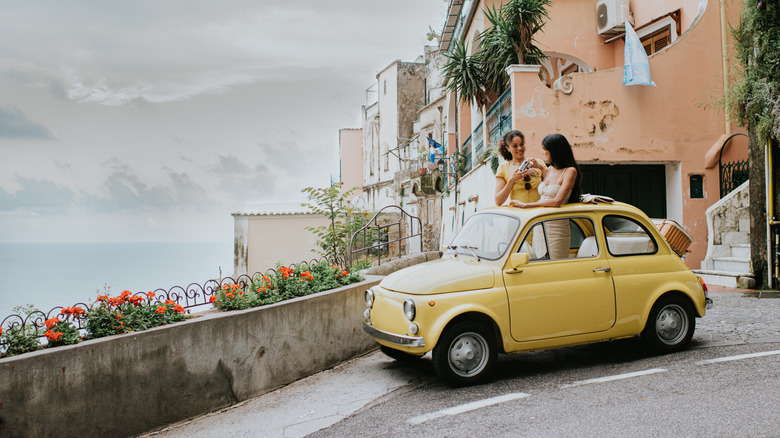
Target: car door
{"type": "Point", "coordinates": [550, 298]}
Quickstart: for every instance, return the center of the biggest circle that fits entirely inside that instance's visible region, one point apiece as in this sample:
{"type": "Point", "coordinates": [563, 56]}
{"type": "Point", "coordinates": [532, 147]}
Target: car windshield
{"type": "Point", "coordinates": [485, 236]}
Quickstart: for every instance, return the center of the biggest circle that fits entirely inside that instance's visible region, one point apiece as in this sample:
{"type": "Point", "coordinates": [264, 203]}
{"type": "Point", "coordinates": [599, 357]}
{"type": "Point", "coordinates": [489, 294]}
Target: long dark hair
{"type": "Point", "coordinates": [561, 157]}
{"type": "Point", "coordinates": [504, 142]}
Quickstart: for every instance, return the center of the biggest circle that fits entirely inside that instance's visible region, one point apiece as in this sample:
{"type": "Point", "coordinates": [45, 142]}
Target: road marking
{"type": "Point", "coordinates": [615, 377]}
{"type": "Point", "coordinates": [467, 407]}
{"type": "Point", "coordinates": [738, 357]}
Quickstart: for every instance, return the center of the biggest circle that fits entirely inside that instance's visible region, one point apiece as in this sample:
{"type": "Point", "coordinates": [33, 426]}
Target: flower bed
{"type": "Point", "coordinates": [129, 312]}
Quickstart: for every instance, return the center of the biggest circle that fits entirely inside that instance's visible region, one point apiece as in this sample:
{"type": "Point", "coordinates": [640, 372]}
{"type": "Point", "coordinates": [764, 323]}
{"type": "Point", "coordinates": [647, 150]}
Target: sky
{"type": "Point", "coordinates": [154, 120]}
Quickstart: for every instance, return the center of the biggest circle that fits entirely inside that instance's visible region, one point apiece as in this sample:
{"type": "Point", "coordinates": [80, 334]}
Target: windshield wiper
{"type": "Point", "coordinates": [471, 250]}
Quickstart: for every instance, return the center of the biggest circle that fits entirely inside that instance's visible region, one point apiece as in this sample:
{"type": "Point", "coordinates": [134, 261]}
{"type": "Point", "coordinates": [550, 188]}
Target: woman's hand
{"type": "Point", "coordinates": [516, 204]}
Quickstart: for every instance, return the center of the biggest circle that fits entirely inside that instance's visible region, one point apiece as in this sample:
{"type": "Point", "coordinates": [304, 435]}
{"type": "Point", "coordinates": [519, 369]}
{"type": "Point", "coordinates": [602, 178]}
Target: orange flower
{"type": "Point", "coordinates": [1, 330]}
{"type": "Point", "coordinates": [124, 295]}
{"type": "Point", "coordinates": [266, 278]}
{"type": "Point", "coordinates": [119, 316]}
{"type": "Point", "coordinates": [52, 322]}
{"type": "Point", "coordinates": [161, 309]}
{"type": "Point", "coordinates": [336, 267]}
{"type": "Point", "coordinates": [225, 286]}
{"type": "Point", "coordinates": [344, 273]}
{"type": "Point", "coordinates": [66, 311]}
{"type": "Point", "coordinates": [52, 336]}
{"type": "Point", "coordinates": [307, 275]}
{"type": "Point", "coordinates": [212, 299]}
{"type": "Point", "coordinates": [101, 298]}
{"type": "Point", "coordinates": [262, 289]}
{"type": "Point", "coordinates": [229, 295]}
{"type": "Point", "coordinates": [235, 286]}
{"type": "Point", "coordinates": [78, 311]}
{"type": "Point", "coordinates": [150, 294]}
{"type": "Point", "coordinates": [178, 309]}
{"type": "Point", "coordinates": [169, 302]}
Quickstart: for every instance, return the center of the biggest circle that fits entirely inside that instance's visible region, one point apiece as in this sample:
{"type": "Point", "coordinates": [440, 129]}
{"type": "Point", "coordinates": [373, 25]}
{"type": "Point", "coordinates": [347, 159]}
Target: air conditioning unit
{"type": "Point", "coordinates": [611, 16]}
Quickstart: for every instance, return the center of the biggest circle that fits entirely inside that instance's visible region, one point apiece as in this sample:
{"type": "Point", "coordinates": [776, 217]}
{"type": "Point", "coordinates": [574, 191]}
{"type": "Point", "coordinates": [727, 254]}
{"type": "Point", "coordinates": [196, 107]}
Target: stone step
{"type": "Point", "coordinates": [726, 279]}
{"type": "Point", "coordinates": [731, 264]}
{"type": "Point", "coordinates": [741, 250]}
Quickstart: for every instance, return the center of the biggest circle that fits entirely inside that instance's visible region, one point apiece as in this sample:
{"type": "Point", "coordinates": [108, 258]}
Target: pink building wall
{"type": "Point", "coordinates": [675, 123]}
{"type": "Point", "coordinates": [351, 158]}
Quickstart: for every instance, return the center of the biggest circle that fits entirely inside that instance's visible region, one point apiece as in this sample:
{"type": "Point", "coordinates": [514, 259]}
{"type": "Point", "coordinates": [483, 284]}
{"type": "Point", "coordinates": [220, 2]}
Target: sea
{"type": "Point", "coordinates": [47, 275]}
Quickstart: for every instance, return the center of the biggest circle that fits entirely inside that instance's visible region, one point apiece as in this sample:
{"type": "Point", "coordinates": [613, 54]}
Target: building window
{"type": "Point", "coordinates": [697, 186]}
{"type": "Point", "coordinates": [657, 40]}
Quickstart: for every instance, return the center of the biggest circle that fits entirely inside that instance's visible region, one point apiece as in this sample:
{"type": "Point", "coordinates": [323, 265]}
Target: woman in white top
{"type": "Point", "coordinates": [561, 184]}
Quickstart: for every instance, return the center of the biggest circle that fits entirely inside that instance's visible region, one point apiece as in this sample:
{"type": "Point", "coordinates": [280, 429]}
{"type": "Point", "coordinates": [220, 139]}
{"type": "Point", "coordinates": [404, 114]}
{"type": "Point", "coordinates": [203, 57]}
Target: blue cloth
{"type": "Point", "coordinates": [636, 70]}
{"type": "Point", "coordinates": [436, 149]}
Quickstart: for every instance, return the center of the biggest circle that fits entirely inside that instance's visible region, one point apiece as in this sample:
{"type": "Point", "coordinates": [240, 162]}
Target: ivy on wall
{"type": "Point", "coordinates": [754, 98]}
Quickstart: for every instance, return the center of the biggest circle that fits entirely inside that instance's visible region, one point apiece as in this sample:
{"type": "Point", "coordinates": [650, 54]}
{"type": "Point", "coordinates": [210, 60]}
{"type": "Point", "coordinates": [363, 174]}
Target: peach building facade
{"type": "Point", "coordinates": [656, 147]}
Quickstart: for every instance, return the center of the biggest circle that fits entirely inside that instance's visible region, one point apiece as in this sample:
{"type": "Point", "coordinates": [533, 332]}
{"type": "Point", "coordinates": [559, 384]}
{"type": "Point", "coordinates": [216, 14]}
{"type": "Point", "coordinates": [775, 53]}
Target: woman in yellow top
{"type": "Point", "coordinates": [511, 182]}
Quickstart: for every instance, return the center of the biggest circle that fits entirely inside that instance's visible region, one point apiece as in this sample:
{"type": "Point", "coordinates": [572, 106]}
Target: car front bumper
{"type": "Point", "coordinates": [406, 341]}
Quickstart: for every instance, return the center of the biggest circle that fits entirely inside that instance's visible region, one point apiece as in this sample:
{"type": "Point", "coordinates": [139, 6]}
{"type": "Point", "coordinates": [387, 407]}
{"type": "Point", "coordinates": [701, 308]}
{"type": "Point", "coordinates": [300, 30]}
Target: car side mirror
{"type": "Point", "coordinates": [518, 259]}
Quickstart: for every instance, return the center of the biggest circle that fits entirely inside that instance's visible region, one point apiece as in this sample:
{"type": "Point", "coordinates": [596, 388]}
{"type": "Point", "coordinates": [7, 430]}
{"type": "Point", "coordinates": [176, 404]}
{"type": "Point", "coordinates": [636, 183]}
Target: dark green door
{"type": "Point", "coordinates": [642, 185]}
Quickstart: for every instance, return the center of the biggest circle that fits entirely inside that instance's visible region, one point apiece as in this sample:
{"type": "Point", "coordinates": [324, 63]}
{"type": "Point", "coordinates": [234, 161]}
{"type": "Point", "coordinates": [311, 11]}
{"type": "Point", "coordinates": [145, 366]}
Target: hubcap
{"type": "Point", "coordinates": [467, 355]}
{"type": "Point", "coordinates": [671, 324]}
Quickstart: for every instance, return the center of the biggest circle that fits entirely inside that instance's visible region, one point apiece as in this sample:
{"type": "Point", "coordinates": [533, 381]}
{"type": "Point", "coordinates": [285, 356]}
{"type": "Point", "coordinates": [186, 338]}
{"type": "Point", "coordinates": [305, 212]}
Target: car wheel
{"type": "Point", "coordinates": [465, 353]}
{"type": "Point", "coordinates": [670, 325]}
{"type": "Point", "coordinates": [398, 355]}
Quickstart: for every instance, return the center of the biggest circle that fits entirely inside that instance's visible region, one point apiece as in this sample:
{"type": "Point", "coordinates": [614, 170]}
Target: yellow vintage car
{"type": "Point", "coordinates": [502, 286]}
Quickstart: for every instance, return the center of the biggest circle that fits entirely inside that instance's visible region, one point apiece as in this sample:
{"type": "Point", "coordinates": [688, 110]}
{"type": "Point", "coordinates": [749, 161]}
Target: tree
{"type": "Point", "coordinates": [754, 100]}
{"type": "Point", "coordinates": [510, 40]}
{"type": "Point", "coordinates": [344, 219]}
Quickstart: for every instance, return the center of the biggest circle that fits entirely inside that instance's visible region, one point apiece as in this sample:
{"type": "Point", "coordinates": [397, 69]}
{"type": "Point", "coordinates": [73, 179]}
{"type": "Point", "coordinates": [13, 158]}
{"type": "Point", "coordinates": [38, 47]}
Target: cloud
{"type": "Point", "coordinates": [14, 124]}
{"type": "Point", "coordinates": [35, 194]}
{"type": "Point", "coordinates": [124, 190]}
{"type": "Point", "coordinates": [239, 181]}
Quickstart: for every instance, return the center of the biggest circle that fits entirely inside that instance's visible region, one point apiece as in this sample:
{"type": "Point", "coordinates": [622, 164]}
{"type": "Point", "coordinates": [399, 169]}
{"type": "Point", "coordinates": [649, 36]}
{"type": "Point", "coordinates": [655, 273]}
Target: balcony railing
{"type": "Point", "coordinates": [467, 153]}
{"type": "Point", "coordinates": [499, 118]}
{"type": "Point", "coordinates": [479, 141]}
{"type": "Point", "coordinates": [732, 175]}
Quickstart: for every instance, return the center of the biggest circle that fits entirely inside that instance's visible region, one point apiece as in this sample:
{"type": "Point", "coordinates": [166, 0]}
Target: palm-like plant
{"type": "Point", "coordinates": [509, 40]}
{"type": "Point", "coordinates": [465, 74]}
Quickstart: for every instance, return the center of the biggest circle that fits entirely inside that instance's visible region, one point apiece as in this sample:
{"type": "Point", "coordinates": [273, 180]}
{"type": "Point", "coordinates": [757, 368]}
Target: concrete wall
{"type": "Point", "coordinates": [351, 158]}
{"type": "Point", "coordinates": [262, 240]}
{"type": "Point", "coordinates": [129, 384]}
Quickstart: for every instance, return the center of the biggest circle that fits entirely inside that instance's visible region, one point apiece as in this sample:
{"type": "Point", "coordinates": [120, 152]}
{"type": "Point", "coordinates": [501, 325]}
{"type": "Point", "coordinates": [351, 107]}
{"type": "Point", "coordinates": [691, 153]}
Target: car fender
{"type": "Point", "coordinates": [682, 288]}
{"type": "Point", "coordinates": [494, 313]}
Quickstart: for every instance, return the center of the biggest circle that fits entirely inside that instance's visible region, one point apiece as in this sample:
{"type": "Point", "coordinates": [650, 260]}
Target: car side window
{"type": "Point", "coordinates": [625, 236]}
{"type": "Point", "coordinates": [557, 239]}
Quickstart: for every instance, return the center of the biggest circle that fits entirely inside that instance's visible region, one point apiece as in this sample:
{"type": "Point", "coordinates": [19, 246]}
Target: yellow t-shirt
{"type": "Point", "coordinates": [519, 193]}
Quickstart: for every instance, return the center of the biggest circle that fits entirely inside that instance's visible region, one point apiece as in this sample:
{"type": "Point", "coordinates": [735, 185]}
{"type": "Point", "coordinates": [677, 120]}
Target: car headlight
{"type": "Point", "coordinates": [409, 310]}
{"type": "Point", "coordinates": [369, 298]}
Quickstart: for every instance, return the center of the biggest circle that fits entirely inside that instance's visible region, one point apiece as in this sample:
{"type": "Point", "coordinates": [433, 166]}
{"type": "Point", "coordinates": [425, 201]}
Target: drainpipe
{"type": "Point", "coordinates": [724, 55]}
{"type": "Point", "coordinates": [770, 219]}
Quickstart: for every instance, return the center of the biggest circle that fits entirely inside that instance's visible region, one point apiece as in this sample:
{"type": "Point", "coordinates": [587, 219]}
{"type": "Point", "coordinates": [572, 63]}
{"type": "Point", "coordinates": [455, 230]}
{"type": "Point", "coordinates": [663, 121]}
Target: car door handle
{"type": "Point", "coordinates": [602, 269]}
{"type": "Point", "coordinates": [513, 271]}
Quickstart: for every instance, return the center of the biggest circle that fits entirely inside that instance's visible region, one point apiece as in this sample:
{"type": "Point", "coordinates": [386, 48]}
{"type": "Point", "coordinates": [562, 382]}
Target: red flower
{"type": "Point", "coordinates": [212, 299]}
{"type": "Point", "coordinates": [336, 267]}
{"type": "Point", "coordinates": [52, 336]}
{"type": "Point", "coordinates": [307, 275]}
{"type": "Point", "coordinates": [344, 273]}
{"type": "Point", "coordinates": [52, 322]}
{"type": "Point", "coordinates": [1, 330]}
{"type": "Point", "coordinates": [161, 309]}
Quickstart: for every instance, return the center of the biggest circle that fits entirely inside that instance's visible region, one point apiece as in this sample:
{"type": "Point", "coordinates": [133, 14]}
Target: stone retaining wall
{"type": "Point", "coordinates": [128, 384]}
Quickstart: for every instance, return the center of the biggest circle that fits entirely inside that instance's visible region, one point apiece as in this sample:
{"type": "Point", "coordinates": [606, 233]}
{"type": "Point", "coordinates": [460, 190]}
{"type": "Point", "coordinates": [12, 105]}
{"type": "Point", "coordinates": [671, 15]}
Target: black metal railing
{"type": "Point", "coordinates": [190, 297]}
{"type": "Point", "coordinates": [385, 238]}
{"type": "Point", "coordinates": [499, 117]}
{"type": "Point", "coordinates": [732, 175]}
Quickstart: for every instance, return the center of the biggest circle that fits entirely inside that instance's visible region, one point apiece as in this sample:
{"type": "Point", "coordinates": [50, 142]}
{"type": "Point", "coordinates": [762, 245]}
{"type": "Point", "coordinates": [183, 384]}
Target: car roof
{"type": "Point", "coordinates": [580, 207]}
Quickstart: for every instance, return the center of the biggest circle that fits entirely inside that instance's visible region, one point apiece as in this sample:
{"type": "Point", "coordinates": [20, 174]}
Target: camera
{"type": "Point", "coordinates": [526, 164]}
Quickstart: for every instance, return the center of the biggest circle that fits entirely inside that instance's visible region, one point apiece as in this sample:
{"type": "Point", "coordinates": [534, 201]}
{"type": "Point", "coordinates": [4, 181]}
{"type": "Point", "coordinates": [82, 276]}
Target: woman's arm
{"type": "Point", "coordinates": [502, 190]}
{"type": "Point", "coordinates": [539, 164]}
{"type": "Point", "coordinates": [569, 178]}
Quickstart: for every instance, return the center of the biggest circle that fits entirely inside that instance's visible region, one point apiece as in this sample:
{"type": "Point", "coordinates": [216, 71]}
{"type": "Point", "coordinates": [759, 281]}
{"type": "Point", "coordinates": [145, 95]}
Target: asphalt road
{"type": "Point", "coordinates": [726, 384]}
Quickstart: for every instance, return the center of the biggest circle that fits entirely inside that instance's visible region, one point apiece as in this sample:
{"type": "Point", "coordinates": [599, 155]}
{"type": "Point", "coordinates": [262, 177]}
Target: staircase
{"type": "Point", "coordinates": [727, 262]}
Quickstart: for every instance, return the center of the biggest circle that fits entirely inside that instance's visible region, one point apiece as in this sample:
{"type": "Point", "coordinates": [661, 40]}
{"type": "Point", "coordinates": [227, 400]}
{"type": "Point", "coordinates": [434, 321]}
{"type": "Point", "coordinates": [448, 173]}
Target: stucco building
{"type": "Point", "coordinates": [654, 147]}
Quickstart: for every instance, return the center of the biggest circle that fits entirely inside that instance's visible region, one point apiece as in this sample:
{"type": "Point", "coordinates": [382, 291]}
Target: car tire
{"type": "Point", "coordinates": [399, 355]}
{"type": "Point", "coordinates": [670, 325]}
{"type": "Point", "coordinates": [465, 354]}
